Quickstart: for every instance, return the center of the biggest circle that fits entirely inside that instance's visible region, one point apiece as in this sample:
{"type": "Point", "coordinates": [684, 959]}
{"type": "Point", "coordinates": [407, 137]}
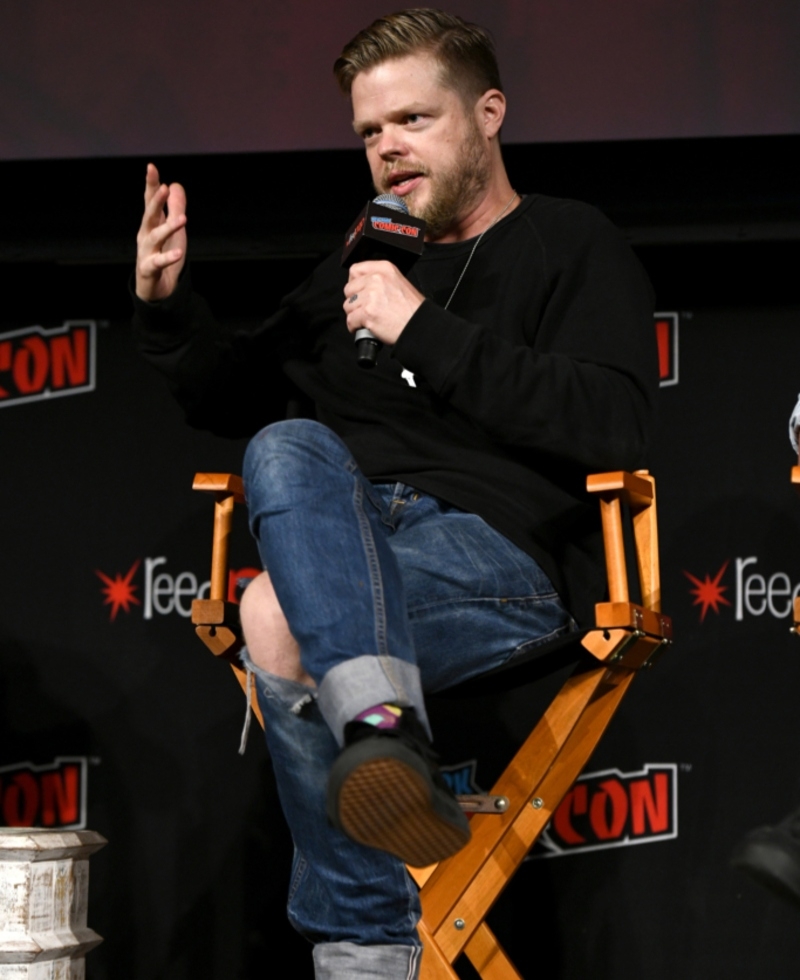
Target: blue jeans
{"type": "Point", "coordinates": [389, 592]}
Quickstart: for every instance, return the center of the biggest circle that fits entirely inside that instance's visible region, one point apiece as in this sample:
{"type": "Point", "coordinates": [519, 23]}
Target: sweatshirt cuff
{"type": "Point", "coordinates": [433, 344]}
{"type": "Point", "coordinates": [169, 317]}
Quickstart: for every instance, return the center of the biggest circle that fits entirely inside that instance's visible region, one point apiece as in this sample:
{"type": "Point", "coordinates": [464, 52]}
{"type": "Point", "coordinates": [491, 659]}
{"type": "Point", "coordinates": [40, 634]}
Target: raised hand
{"type": "Point", "coordinates": [161, 242]}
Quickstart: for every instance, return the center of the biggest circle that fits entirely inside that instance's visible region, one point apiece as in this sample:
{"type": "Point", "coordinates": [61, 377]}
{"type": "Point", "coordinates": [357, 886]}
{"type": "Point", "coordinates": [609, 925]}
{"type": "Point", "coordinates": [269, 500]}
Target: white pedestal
{"type": "Point", "coordinates": [44, 890]}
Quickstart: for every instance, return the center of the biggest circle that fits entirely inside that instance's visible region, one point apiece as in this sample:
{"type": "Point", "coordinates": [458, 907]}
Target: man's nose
{"type": "Point", "coordinates": [390, 143]}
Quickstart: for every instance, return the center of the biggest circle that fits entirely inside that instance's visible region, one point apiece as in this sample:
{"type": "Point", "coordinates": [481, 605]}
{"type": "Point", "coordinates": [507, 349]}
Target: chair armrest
{"type": "Point", "coordinates": [638, 490]}
{"type": "Point", "coordinates": [625, 633]}
{"type": "Point", "coordinates": [220, 483]}
{"type": "Point", "coordinates": [228, 490]}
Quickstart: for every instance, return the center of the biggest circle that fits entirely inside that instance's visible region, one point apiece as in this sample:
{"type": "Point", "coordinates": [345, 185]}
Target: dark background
{"type": "Point", "coordinates": [193, 880]}
{"type": "Point", "coordinates": [192, 883]}
{"type": "Point", "coordinates": [88, 78]}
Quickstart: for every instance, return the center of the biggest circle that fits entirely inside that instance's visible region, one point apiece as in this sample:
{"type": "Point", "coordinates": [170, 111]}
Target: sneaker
{"type": "Point", "coordinates": [385, 791]}
{"type": "Point", "coordinates": [771, 856]}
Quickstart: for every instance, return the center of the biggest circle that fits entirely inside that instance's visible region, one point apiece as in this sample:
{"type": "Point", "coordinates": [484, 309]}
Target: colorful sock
{"type": "Point", "coordinates": [381, 716]}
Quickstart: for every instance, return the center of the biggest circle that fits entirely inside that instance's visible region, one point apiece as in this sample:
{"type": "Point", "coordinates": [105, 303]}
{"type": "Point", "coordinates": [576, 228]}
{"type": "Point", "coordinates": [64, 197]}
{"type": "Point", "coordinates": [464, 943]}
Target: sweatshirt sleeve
{"type": "Point", "coordinates": [227, 382]}
{"type": "Point", "coordinates": [581, 384]}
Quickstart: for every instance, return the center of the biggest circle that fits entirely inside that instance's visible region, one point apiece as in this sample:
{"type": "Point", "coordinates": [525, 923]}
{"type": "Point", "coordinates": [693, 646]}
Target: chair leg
{"type": "Point", "coordinates": [488, 956]}
{"type": "Point", "coordinates": [484, 952]}
{"type": "Point", "coordinates": [434, 964]}
{"type": "Point", "coordinates": [466, 886]}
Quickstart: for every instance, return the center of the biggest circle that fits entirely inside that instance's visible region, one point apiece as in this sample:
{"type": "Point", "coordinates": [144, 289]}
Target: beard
{"type": "Point", "coordinates": [454, 191]}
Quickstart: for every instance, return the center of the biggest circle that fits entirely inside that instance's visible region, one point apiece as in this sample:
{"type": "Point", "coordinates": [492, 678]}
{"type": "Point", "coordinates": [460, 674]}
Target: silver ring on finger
{"type": "Point", "coordinates": [353, 298]}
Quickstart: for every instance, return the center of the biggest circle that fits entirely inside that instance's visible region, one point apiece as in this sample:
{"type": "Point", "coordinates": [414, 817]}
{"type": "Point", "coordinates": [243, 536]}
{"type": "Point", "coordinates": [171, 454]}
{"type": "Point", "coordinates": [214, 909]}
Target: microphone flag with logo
{"type": "Point", "coordinates": [384, 231]}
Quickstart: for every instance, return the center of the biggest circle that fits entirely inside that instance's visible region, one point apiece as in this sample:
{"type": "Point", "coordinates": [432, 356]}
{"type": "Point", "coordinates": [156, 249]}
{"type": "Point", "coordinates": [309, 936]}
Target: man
{"type": "Point", "coordinates": [426, 521]}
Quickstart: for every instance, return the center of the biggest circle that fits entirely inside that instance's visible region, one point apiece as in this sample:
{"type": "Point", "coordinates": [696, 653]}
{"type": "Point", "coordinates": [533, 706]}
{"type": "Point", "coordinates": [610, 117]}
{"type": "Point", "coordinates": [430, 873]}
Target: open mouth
{"type": "Point", "coordinates": [404, 182]}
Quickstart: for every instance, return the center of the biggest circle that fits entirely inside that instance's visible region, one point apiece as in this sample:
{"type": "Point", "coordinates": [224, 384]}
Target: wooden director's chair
{"type": "Point", "coordinates": [458, 893]}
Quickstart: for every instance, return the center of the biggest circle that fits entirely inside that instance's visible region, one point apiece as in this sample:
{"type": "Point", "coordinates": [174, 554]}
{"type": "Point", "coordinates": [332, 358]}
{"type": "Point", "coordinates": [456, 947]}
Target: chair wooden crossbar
{"type": "Point", "coordinates": [457, 894]}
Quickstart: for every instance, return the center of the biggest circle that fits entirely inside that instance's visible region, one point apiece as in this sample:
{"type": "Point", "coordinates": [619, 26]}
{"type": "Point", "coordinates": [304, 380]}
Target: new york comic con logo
{"type": "Point", "coordinates": [667, 345]}
{"type": "Point", "coordinates": [149, 586]}
{"type": "Point", "coordinates": [614, 809]}
{"type": "Point", "coordinates": [52, 795]}
{"type": "Point", "coordinates": [38, 364]}
{"type": "Point", "coordinates": [603, 809]}
{"type": "Point", "coordinates": [745, 587]}
{"type": "Point", "coordinates": [379, 223]}
{"type": "Point", "coordinates": [354, 233]}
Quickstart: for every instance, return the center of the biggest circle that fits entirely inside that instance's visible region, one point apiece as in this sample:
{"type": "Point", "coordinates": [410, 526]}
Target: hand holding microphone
{"type": "Point", "coordinates": [379, 299]}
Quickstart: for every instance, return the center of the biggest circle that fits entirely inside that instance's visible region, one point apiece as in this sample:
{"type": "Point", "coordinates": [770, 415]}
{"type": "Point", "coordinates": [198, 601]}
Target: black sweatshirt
{"type": "Point", "coordinates": [542, 370]}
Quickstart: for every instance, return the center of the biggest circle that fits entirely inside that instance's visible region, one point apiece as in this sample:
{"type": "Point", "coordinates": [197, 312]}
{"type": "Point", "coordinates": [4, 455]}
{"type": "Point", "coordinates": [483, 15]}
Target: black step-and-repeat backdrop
{"type": "Point", "coordinates": [114, 716]}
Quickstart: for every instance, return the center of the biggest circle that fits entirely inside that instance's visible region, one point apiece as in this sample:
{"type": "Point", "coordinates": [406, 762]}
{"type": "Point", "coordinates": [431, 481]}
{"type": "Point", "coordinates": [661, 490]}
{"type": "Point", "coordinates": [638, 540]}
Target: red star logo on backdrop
{"type": "Point", "coordinates": [119, 591]}
{"type": "Point", "coordinates": [708, 592]}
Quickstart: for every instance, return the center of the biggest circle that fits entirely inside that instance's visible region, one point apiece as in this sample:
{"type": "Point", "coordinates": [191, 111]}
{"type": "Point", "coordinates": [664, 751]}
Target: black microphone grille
{"type": "Point", "coordinates": [391, 201]}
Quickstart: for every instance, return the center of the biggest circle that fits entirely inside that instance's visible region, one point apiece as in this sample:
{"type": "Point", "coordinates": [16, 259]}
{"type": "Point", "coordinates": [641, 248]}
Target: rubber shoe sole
{"type": "Point", "coordinates": [382, 794]}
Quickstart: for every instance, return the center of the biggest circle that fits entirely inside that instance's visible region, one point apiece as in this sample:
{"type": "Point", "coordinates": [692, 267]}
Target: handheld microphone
{"type": "Point", "coordinates": [379, 233]}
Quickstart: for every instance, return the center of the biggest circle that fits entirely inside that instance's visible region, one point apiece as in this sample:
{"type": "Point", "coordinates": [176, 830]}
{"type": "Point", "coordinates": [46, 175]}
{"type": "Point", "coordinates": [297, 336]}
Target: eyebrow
{"type": "Point", "coordinates": [407, 110]}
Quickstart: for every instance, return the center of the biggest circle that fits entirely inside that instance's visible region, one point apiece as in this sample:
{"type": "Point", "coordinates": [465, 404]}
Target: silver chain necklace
{"type": "Point", "coordinates": [477, 243]}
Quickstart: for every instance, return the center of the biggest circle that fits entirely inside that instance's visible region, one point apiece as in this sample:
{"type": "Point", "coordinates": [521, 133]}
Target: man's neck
{"type": "Point", "coordinates": [497, 201]}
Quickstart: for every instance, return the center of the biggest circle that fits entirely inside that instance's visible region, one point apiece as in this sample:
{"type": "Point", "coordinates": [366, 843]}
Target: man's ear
{"type": "Point", "coordinates": [490, 111]}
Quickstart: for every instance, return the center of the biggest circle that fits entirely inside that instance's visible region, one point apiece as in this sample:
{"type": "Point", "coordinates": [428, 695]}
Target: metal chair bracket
{"type": "Point", "coordinates": [482, 803]}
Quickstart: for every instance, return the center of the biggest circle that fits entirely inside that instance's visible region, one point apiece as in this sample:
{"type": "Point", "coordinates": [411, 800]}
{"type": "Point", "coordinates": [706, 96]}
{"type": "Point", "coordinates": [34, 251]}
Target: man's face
{"type": "Point", "coordinates": [422, 142]}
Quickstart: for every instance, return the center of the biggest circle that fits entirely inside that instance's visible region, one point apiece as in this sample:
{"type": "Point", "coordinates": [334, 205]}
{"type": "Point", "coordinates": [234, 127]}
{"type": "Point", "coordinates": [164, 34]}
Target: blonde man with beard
{"type": "Point", "coordinates": [413, 534]}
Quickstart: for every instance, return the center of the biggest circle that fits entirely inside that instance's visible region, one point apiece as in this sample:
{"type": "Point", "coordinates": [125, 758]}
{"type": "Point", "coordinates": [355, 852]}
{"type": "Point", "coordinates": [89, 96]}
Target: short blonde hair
{"type": "Point", "coordinates": [464, 51]}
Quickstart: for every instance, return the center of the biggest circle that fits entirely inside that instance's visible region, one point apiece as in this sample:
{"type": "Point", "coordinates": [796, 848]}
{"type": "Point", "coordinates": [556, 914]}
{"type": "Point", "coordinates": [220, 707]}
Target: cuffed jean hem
{"type": "Point", "coordinates": [340, 891]}
{"type": "Point", "coordinates": [348, 961]}
{"type": "Point", "coordinates": [355, 685]}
